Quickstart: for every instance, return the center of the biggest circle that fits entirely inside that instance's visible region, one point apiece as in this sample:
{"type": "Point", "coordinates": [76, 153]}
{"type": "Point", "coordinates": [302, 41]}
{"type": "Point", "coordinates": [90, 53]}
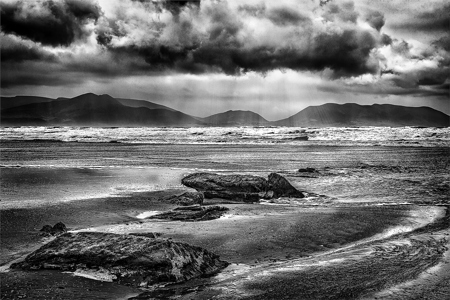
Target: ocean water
{"type": "Point", "coordinates": [338, 136]}
{"type": "Point", "coordinates": [353, 165]}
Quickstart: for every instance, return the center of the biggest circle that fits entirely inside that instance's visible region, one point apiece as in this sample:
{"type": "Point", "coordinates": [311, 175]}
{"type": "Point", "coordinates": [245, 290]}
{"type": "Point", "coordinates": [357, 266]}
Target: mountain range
{"type": "Point", "coordinates": [104, 110]}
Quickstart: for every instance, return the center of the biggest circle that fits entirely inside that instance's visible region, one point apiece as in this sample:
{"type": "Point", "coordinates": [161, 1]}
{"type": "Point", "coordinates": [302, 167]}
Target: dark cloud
{"type": "Point", "coordinates": [437, 19]}
{"type": "Point", "coordinates": [386, 39]}
{"type": "Point", "coordinates": [324, 2]}
{"type": "Point", "coordinates": [443, 42]}
{"type": "Point", "coordinates": [17, 50]}
{"type": "Point", "coordinates": [37, 74]}
{"type": "Point", "coordinates": [343, 12]}
{"type": "Point", "coordinates": [375, 19]}
{"type": "Point", "coordinates": [177, 5]}
{"type": "Point", "coordinates": [158, 37]}
{"type": "Point", "coordinates": [383, 89]}
{"type": "Point", "coordinates": [224, 54]}
{"type": "Point", "coordinates": [55, 23]}
{"type": "Point", "coordinates": [345, 52]}
{"type": "Point", "coordinates": [284, 16]}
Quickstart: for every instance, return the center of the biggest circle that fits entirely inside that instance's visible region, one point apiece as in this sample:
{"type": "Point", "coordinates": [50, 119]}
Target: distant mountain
{"type": "Point", "coordinates": [235, 118]}
{"type": "Point", "coordinates": [365, 115]}
{"type": "Point", "coordinates": [93, 110]}
{"type": "Point", "coordinates": [142, 103]}
{"type": "Point", "coordinates": [8, 102]}
{"type": "Point", "coordinates": [104, 110]}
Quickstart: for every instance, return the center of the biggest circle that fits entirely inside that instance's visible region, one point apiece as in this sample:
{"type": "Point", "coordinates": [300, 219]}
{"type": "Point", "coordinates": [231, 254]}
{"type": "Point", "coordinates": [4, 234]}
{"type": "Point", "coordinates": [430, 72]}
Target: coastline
{"type": "Point", "coordinates": [364, 200]}
{"type": "Point", "coordinates": [248, 228]}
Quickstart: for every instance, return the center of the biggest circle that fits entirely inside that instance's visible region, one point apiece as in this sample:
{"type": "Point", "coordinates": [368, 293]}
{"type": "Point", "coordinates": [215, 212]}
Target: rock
{"type": "Point", "coordinates": [246, 188]}
{"type": "Point", "coordinates": [152, 235]}
{"type": "Point", "coordinates": [57, 229]}
{"type": "Point", "coordinates": [307, 170]}
{"type": "Point", "coordinates": [301, 138]}
{"type": "Point", "coordinates": [127, 259]}
{"type": "Point", "coordinates": [282, 188]}
{"type": "Point", "coordinates": [296, 131]}
{"type": "Point", "coordinates": [47, 229]}
{"type": "Point", "coordinates": [193, 213]}
{"type": "Point", "coordinates": [187, 198]}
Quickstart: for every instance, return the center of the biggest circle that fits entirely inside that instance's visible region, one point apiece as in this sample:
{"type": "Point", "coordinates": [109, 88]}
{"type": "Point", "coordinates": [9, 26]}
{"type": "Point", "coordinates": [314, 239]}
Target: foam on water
{"type": "Point", "coordinates": [377, 136]}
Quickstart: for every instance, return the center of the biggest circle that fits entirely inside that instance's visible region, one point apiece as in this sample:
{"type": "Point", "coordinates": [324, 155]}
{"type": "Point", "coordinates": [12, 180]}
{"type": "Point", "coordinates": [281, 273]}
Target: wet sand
{"type": "Point", "coordinates": [352, 245]}
{"type": "Point", "coordinates": [252, 237]}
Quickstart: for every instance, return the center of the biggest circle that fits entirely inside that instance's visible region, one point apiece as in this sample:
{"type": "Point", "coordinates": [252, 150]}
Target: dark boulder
{"type": "Point", "coordinates": [187, 199]}
{"type": "Point", "coordinates": [247, 188]}
{"type": "Point", "coordinates": [307, 170]}
{"type": "Point", "coordinates": [47, 229]}
{"type": "Point", "coordinates": [192, 213]}
{"type": "Point", "coordinates": [57, 229]}
{"type": "Point", "coordinates": [301, 138]}
{"type": "Point", "coordinates": [128, 259]}
{"type": "Point", "coordinates": [282, 188]}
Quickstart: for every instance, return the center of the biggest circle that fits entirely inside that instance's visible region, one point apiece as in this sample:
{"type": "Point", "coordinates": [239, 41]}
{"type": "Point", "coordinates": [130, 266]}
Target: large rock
{"type": "Point", "coordinates": [245, 188]}
{"type": "Point", "coordinates": [193, 213]}
{"type": "Point", "coordinates": [127, 259]}
{"type": "Point", "coordinates": [282, 188]}
{"type": "Point", "coordinates": [58, 228]}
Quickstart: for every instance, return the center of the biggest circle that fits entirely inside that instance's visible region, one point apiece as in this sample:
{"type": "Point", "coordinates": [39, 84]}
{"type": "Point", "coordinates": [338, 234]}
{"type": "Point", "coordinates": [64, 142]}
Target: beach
{"type": "Point", "coordinates": [363, 199]}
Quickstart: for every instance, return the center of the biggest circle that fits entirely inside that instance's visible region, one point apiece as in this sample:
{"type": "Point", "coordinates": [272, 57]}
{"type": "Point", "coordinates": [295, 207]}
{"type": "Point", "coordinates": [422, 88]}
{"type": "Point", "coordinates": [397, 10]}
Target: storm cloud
{"type": "Point", "coordinates": [433, 18]}
{"type": "Point", "coordinates": [55, 23]}
{"type": "Point", "coordinates": [212, 37]}
{"type": "Point", "coordinates": [62, 42]}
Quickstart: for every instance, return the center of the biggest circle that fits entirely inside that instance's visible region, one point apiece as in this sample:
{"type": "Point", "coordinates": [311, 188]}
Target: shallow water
{"type": "Point", "coordinates": [43, 172]}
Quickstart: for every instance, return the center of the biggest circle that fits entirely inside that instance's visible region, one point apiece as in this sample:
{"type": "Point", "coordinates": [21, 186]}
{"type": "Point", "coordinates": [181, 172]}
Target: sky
{"type": "Point", "coordinates": [208, 56]}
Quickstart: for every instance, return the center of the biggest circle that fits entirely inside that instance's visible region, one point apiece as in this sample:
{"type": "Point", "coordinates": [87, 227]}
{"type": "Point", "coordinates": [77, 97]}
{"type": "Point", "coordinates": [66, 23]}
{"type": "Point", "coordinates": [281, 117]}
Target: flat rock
{"type": "Point", "coordinates": [246, 188]}
{"type": "Point", "coordinates": [127, 259]}
{"type": "Point", "coordinates": [193, 213]}
{"type": "Point", "coordinates": [301, 138]}
{"type": "Point", "coordinates": [187, 198]}
{"type": "Point", "coordinates": [307, 170]}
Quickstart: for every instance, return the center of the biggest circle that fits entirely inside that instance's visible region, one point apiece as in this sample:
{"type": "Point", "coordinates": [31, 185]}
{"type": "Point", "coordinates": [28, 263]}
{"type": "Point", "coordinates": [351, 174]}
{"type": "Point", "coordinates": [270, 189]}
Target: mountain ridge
{"type": "Point", "coordinates": [235, 118]}
{"type": "Point", "coordinates": [104, 110]}
{"type": "Point", "coordinates": [94, 110]}
{"type": "Point", "coordinates": [353, 115]}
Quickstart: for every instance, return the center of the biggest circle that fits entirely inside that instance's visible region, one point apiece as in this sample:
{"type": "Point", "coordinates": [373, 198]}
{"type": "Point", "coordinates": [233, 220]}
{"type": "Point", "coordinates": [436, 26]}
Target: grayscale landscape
{"type": "Point", "coordinates": [156, 149]}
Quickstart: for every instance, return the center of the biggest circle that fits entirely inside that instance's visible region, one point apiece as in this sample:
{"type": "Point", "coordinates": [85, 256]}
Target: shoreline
{"type": "Point", "coordinates": [247, 228]}
{"type": "Point", "coordinates": [277, 242]}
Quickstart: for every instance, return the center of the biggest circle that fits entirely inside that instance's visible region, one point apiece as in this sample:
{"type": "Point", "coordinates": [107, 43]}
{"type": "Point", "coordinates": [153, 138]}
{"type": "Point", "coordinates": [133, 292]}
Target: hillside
{"type": "Point", "coordinates": [93, 110]}
{"type": "Point", "coordinates": [8, 102]}
{"type": "Point", "coordinates": [235, 118]}
{"type": "Point", "coordinates": [142, 103]}
{"type": "Point", "coordinates": [104, 110]}
{"type": "Point", "coordinates": [351, 114]}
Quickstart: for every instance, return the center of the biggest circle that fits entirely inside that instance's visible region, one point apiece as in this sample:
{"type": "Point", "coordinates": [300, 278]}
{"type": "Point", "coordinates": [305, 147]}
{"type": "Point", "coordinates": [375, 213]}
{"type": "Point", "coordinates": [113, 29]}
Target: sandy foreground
{"type": "Point", "coordinates": [275, 251]}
